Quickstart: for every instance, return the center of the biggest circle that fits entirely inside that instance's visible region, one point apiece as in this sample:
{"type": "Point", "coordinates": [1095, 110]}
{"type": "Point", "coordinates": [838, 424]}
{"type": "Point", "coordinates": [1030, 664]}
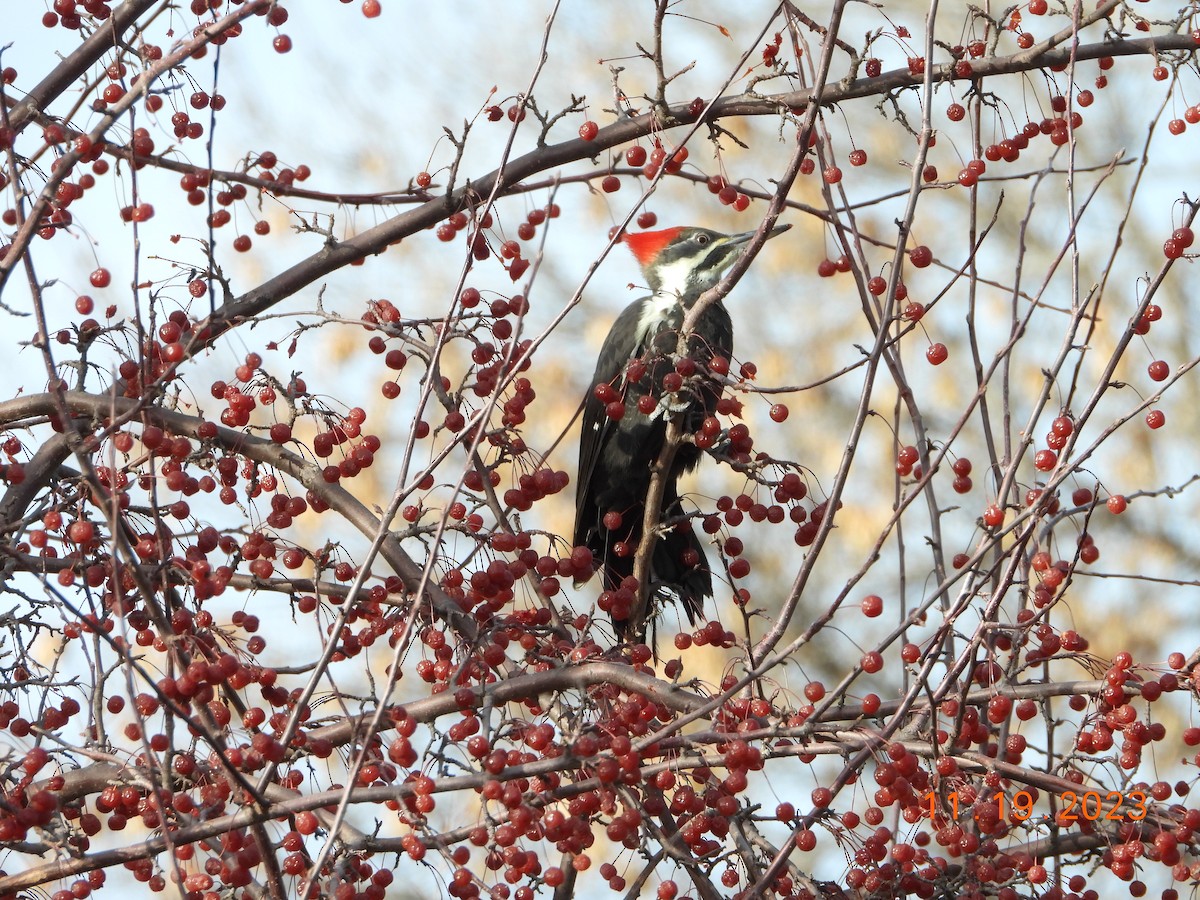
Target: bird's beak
{"type": "Point", "coordinates": [744, 237]}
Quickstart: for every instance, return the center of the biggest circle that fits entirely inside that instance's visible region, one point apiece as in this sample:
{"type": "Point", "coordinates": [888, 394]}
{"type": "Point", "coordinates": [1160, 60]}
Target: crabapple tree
{"type": "Point", "coordinates": [303, 303]}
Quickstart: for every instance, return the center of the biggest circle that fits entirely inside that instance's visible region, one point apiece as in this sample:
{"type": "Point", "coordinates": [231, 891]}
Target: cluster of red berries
{"type": "Point", "coordinates": [69, 14]}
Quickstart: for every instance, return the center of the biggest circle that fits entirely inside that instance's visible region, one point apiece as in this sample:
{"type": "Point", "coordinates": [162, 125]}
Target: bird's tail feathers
{"type": "Point", "coordinates": [680, 569]}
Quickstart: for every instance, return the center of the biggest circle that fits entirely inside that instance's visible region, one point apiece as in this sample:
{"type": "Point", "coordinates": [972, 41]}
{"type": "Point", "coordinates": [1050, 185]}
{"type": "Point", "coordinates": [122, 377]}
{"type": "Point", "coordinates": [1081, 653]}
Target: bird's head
{"type": "Point", "coordinates": [686, 262]}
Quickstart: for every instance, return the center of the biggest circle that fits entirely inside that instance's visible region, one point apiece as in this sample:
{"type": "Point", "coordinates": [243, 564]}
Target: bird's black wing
{"type": "Point", "coordinates": [598, 427]}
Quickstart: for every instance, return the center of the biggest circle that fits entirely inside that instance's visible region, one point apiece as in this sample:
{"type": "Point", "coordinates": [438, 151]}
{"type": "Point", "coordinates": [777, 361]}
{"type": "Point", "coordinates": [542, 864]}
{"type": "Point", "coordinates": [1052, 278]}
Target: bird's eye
{"type": "Point", "coordinates": [702, 239]}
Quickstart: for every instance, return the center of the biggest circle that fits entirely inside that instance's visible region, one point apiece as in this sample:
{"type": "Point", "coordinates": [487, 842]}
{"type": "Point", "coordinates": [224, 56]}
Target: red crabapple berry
{"type": "Point", "coordinates": [1156, 418]}
{"type": "Point", "coordinates": [80, 531]}
{"type": "Point", "coordinates": [993, 516]}
{"type": "Point", "coordinates": [101, 278]}
{"type": "Point", "coordinates": [921, 256]}
{"type": "Point", "coordinates": [779, 412]}
{"type": "Point", "coordinates": [1045, 460]}
{"type": "Point", "coordinates": [872, 606]}
{"type": "Point", "coordinates": [937, 354]}
{"type": "Point", "coordinates": [956, 112]}
{"type": "Point", "coordinates": [371, 8]}
{"type": "Point", "coordinates": [832, 175]}
{"type": "Point", "coordinates": [858, 157]}
{"type": "Point", "coordinates": [1158, 370]}
{"type": "Point", "coordinates": [1116, 504]}
{"type": "Point", "coordinates": [588, 131]}
{"type": "Point", "coordinates": [610, 184]}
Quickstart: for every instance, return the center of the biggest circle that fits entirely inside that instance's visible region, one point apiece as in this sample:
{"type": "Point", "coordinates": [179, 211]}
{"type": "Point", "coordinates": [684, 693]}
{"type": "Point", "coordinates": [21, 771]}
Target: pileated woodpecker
{"type": "Point", "coordinates": [640, 383]}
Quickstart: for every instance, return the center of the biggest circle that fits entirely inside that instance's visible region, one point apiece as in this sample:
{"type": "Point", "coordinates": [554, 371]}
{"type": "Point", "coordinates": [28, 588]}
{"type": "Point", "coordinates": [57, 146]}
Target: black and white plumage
{"type": "Point", "coordinates": [617, 455]}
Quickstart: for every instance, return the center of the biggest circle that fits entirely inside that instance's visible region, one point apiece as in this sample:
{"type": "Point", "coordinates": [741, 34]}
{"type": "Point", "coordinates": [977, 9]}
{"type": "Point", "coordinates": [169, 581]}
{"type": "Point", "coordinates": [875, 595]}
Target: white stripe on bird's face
{"type": "Point", "coordinates": [676, 278]}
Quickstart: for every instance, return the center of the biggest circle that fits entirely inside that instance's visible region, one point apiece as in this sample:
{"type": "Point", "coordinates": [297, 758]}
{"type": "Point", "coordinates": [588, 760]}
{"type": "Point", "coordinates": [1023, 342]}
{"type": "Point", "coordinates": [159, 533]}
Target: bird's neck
{"type": "Point", "coordinates": [658, 312]}
{"type": "Point", "coordinates": [678, 281]}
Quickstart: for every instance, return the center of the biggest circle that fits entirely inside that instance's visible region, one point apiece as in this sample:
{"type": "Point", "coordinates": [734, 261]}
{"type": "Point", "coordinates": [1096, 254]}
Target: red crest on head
{"type": "Point", "coordinates": [646, 245]}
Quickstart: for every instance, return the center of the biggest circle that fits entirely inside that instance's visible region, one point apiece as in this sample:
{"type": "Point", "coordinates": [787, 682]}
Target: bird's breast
{"type": "Point", "coordinates": [657, 312]}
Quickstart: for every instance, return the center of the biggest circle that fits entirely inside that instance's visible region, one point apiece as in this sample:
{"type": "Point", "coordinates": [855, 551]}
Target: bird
{"type": "Point", "coordinates": [636, 389]}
